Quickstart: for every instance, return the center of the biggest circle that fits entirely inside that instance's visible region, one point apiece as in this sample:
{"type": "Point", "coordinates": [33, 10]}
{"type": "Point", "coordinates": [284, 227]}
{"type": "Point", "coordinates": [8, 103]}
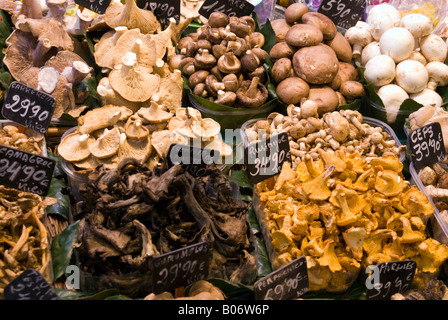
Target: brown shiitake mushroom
{"type": "Point", "coordinates": [260, 53]}
{"type": "Point", "coordinates": [203, 44]}
{"type": "Point", "coordinates": [326, 99]}
{"type": "Point", "coordinates": [240, 27]}
{"type": "Point", "coordinates": [292, 90]}
{"type": "Point", "coordinates": [249, 62]}
{"type": "Point", "coordinates": [341, 47]}
{"type": "Point", "coordinates": [229, 63]}
{"type": "Point", "coordinates": [281, 70]}
{"type": "Point", "coordinates": [183, 42]}
{"type": "Point", "coordinates": [250, 21]}
{"type": "Point", "coordinates": [316, 64]}
{"type": "Point", "coordinates": [218, 50]}
{"type": "Point", "coordinates": [204, 60]}
{"type": "Point", "coordinates": [226, 98]}
{"type": "Point", "coordinates": [303, 35]}
{"type": "Point", "coordinates": [325, 24]}
{"type": "Point", "coordinates": [238, 47]}
{"type": "Point", "coordinates": [352, 89]}
{"type": "Point", "coordinates": [212, 85]}
{"type": "Point", "coordinates": [282, 50]}
{"type": "Point", "coordinates": [217, 73]}
{"type": "Point", "coordinates": [197, 77]}
{"type": "Point", "coordinates": [218, 20]}
{"type": "Point", "coordinates": [231, 82]}
{"type": "Point", "coordinates": [251, 93]}
{"type": "Point", "coordinates": [280, 27]}
{"type": "Point", "coordinates": [186, 66]}
{"type": "Point", "coordinates": [294, 12]}
{"type": "Point", "coordinates": [200, 91]}
{"type": "Point", "coordinates": [256, 39]}
{"type": "Point", "coordinates": [259, 72]}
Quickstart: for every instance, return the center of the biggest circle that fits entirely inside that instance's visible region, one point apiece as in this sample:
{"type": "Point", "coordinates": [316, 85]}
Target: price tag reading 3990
{"type": "Point", "coordinates": [427, 145]}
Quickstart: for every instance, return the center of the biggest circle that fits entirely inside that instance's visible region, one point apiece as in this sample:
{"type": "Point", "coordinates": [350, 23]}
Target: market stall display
{"type": "Point", "coordinates": [130, 84]}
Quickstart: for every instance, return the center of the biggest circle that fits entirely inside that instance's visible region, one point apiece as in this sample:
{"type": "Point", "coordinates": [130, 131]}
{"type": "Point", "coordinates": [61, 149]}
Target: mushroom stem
{"type": "Point", "coordinates": [82, 22]}
{"type": "Point", "coordinates": [253, 91]}
{"type": "Point", "coordinates": [31, 9]}
{"type": "Point", "coordinates": [77, 72]}
{"type": "Point", "coordinates": [43, 46]}
{"type": "Point", "coordinates": [57, 9]}
{"type": "Point", "coordinates": [47, 79]}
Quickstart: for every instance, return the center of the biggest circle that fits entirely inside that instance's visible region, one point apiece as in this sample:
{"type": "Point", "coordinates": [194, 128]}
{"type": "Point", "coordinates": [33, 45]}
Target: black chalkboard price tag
{"type": "Point", "coordinates": [286, 283]}
{"type": "Point", "coordinates": [162, 9]}
{"type": "Point", "coordinates": [193, 159]}
{"type": "Point", "coordinates": [344, 13]}
{"type": "Point", "coordinates": [28, 107]}
{"type": "Point", "coordinates": [426, 145]}
{"type": "Point", "coordinates": [387, 278]}
{"type": "Point", "coordinates": [98, 6]}
{"type": "Point", "coordinates": [233, 8]}
{"type": "Point", "coordinates": [30, 285]}
{"type": "Point", "coordinates": [265, 158]}
{"type": "Point", "coordinates": [25, 171]}
{"type": "Point", "coordinates": [180, 267]}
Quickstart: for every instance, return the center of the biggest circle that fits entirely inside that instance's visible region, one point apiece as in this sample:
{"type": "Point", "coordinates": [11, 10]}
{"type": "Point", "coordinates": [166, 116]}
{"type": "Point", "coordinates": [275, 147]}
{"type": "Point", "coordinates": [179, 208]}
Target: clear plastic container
{"type": "Point", "coordinates": [232, 119]}
{"type": "Point", "coordinates": [30, 133]}
{"type": "Point", "coordinates": [370, 121]}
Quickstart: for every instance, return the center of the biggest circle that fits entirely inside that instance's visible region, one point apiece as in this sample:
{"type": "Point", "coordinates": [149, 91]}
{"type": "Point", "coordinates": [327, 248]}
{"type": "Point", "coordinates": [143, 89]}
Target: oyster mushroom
{"type": "Point", "coordinates": [134, 129]}
{"type": "Point", "coordinates": [163, 139]}
{"type": "Point", "coordinates": [252, 93]}
{"type": "Point", "coordinates": [133, 149]}
{"type": "Point", "coordinates": [105, 48]}
{"type": "Point", "coordinates": [131, 16]}
{"type": "Point", "coordinates": [135, 41]}
{"type": "Point", "coordinates": [155, 114]}
{"type": "Point", "coordinates": [109, 96]}
{"type": "Point", "coordinates": [75, 146]}
{"type": "Point", "coordinates": [132, 81]}
{"type": "Point", "coordinates": [103, 117]}
{"type": "Point", "coordinates": [106, 145]}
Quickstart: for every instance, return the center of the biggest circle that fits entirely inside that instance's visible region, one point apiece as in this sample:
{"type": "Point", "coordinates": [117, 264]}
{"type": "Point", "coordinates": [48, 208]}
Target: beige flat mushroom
{"type": "Point", "coordinates": [217, 144]}
{"type": "Point", "coordinates": [133, 82]}
{"type": "Point", "coordinates": [107, 144]}
{"type": "Point", "coordinates": [110, 96]}
{"type": "Point", "coordinates": [75, 147]}
{"type": "Point", "coordinates": [170, 91]}
{"type": "Point", "coordinates": [131, 16]}
{"type": "Point", "coordinates": [162, 140]}
{"type": "Point", "coordinates": [138, 150]}
{"type": "Point", "coordinates": [142, 45]}
{"type": "Point", "coordinates": [90, 163]}
{"type": "Point", "coordinates": [210, 127]}
{"type": "Point", "coordinates": [155, 114]}
{"type": "Point", "coordinates": [135, 129]}
{"type": "Point", "coordinates": [185, 113]}
{"type": "Point", "coordinates": [105, 48]}
{"type": "Point", "coordinates": [103, 117]}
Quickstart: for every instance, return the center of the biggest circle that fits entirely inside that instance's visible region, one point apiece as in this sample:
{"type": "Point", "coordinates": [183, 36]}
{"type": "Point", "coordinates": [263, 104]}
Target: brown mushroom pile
{"type": "Point", "coordinates": [311, 135]}
{"type": "Point", "coordinates": [23, 236]}
{"type": "Point", "coordinates": [29, 141]}
{"type": "Point", "coordinates": [42, 54]}
{"type": "Point", "coordinates": [312, 61]}
{"type": "Point", "coordinates": [109, 134]}
{"type": "Point", "coordinates": [223, 61]}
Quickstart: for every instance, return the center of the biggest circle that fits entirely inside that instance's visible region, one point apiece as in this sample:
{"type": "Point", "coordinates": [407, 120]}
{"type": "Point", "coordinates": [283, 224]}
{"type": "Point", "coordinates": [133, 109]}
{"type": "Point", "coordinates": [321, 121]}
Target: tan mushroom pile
{"type": "Point", "coordinates": [223, 61]}
{"type": "Point", "coordinates": [402, 57]}
{"type": "Point", "coordinates": [41, 53]}
{"type": "Point", "coordinates": [29, 141]}
{"type": "Point", "coordinates": [312, 61]}
{"type": "Point", "coordinates": [312, 136]}
{"type": "Point", "coordinates": [109, 134]}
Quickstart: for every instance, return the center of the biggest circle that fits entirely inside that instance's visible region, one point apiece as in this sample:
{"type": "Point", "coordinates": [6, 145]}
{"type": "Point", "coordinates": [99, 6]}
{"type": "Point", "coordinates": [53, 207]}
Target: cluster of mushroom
{"type": "Point", "coordinates": [23, 236]}
{"type": "Point", "coordinates": [29, 140]}
{"type": "Point", "coordinates": [401, 56]}
{"type": "Point", "coordinates": [311, 135]}
{"type": "Point", "coordinates": [312, 61]}
{"type": "Point", "coordinates": [223, 61]}
{"type": "Point", "coordinates": [435, 180]}
{"type": "Point", "coordinates": [343, 213]}
{"type": "Point", "coordinates": [109, 134]}
{"type": "Point", "coordinates": [42, 53]}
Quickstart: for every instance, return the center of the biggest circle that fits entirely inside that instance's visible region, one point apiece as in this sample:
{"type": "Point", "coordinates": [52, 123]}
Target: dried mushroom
{"type": "Point", "coordinates": [344, 220]}
{"type": "Point", "coordinates": [156, 212]}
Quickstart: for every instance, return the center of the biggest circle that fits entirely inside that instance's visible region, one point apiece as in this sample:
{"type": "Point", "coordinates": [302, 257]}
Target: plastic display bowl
{"type": "Point", "coordinates": [379, 112]}
{"type": "Point", "coordinates": [30, 133]}
{"type": "Point", "coordinates": [232, 119]}
{"type": "Point", "coordinates": [370, 121]}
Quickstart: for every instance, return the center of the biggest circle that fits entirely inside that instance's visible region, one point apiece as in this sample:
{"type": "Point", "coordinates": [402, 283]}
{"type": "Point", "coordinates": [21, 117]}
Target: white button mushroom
{"type": "Point", "coordinates": [427, 97]}
{"type": "Point", "coordinates": [392, 96]}
{"type": "Point", "coordinates": [370, 51]}
{"type": "Point", "coordinates": [384, 8]}
{"type": "Point", "coordinates": [418, 24]}
{"type": "Point", "coordinates": [411, 75]}
{"type": "Point", "coordinates": [438, 74]}
{"type": "Point", "coordinates": [433, 48]}
{"type": "Point", "coordinates": [380, 70]}
{"type": "Point", "coordinates": [379, 24]}
{"type": "Point", "coordinates": [358, 36]}
{"type": "Point", "coordinates": [398, 43]}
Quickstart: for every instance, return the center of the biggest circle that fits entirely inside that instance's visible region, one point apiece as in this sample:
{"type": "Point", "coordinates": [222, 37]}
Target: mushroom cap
{"type": "Point", "coordinates": [398, 43]}
{"type": "Point", "coordinates": [292, 90]}
{"type": "Point", "coordinates": [385, 8]}
{"type": "Point", "coordinates": [379, 23]}
{"type": "Point", "coordinates": [155, 113]}
{"type": "Point", "coordinates": [325, 24]}
{"type": "Point", "coordinates": [105, 48]}
{"type": "Point", "coordinates": [341, 47]}
{"type": "Point", "coordinates": [433, 48]}
{"type": "Point", "coordinates": [389, 183]}
{"type": "Point", "coordinates": [138, 150]}
{"type": "Point", "coordinates": [134, 129]}
{"type": "Point", "coordinates": [110, 96]}
{"type": "Point", "coordinates": [371, 50]}
{"type": "Point", "coordinates": [132, 81]}
{"type": "Point", "coordinates": [326, 98]}
{"type": "Point", "coordinates": [90, 163]}
{"type": "Point", "coordinates": [316, 64]}
{"type": "Point", "coordinates": [184, 113]}
{"type": "Point", "coordinates": [217, 144]}
{"type": "Point", "coordinates": [295, 11]}
{"type": "Point", "coordinates": [107, 144]}
{"type": "Point", "coordinates": [162, 140]}
{"type": "Point", "coordinates": [392, 96]}
{"type": "Point", "coordinates": [418, 24]}
{"type": "Point", "coordinates": [352, 89]}
{"type": "Point", "coordinates": [303, 35]}
{"type": "Point", "coordinates": [427, 97]}
{"type": "Point", "coordinates": [243, 99]}
{"type": "Point", "coordinates": [75, 146]}
{"type": "Point", "coordinates": [62, 60]}
{"type": "Point", "coordinates": [280, 27]}
{"type": "Point", "coordinates": [282, 50]}
{"type": "Point", "coordinates": [411, 75]}
{"type": "Point", "coordinates": [131, 16]}
{"type": "Point", "coordinates": [135, 41]}
{"type": "Point", "coordinates": [210, 128]}
{"type": "Point", "coordinates": [103, 117]}
{"type": "Point", "coordinates": [229, 63]}
{"type": "Point", "coordinates": [380, 70]}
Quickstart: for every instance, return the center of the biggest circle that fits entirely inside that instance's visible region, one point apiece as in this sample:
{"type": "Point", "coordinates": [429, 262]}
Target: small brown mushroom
{"type": "Point", "coordinates": [231, 82]}
{"type": "Point", "coordinates": [292, 90]}
{"type": "Point", "coordinates": [204, 60]}
{"type": "Point", "coordinates": [218, 20]}
{"type": "Point", "coordinates": [213, 86]}
{"type": "Point", "coordinates": [341, 47]}
{"type": "Point", "coordinates": [281, 70]}
{"type": "Point", "coordinates": [281, 50]}
{"type": "Point", "coordinates": [197, 77]}
{"type": "Point", "coordinates": [325, 97]}
{"type": "Point", "coordinates": [226, 98]}
{"type": "Point", "coordinates": [240, 27]}
{"type": "Point", "coordinates": [280, 27]}
{"type": "Point", "coordinates": [256, 40]}
{"type": "Point", "coordinates": [303, 35]}
{"type": "Point", "coordinates": [252, 94]}
{"type": "Point", "coordinates": [294, 12]}
{"type": "Point", "coordinates": [249, 62]}
{"type": "Point", "coordinates": [352, 89]}
{"type": "Point", "coordinates": [229, 63]}
{"type": "Point", "coordinates": [347, 72]}
{"type": "Point", "coordinates": [325, 24]}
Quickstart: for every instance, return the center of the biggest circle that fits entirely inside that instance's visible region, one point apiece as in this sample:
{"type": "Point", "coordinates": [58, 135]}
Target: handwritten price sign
{"type": "Point", "coordinates": [344, 13]}
{"type": "Point", "coordinates": [233, 8]}
{"type": "Point", "coordinates": [427, 145]}
{"type": "Point", "coordinates": [30, 285]}
{"type": "Point", "coordinates": [163, 10]}
{"type": "Point", "coordinates": [98, 6]}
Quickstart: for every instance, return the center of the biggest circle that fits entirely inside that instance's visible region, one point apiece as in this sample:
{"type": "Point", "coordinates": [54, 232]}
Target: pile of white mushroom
{"type": "Point", "coordinates": [401, 56]}
{"type": "Point", "coordinates": [310, 134]}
